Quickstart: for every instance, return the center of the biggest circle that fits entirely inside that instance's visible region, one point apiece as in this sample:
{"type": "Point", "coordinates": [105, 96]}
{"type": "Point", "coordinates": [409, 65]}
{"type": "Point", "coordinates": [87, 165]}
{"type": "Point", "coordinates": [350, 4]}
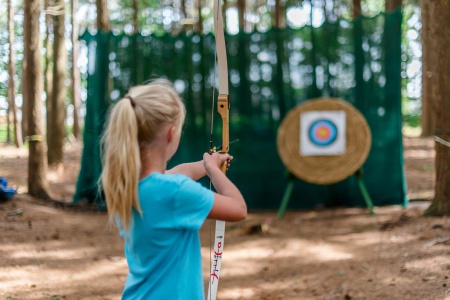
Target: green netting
{"type": "Point", "coordinates": [269, 73]}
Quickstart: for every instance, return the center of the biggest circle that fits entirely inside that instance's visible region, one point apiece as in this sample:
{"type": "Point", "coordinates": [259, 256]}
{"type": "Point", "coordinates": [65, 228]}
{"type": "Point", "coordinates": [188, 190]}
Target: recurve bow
{"type": "Point", "coordinates": [223, 107]}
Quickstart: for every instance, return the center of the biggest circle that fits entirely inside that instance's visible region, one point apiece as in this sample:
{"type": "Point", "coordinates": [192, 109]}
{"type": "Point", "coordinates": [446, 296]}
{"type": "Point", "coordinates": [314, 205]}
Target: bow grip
{"type": "Point", "coordinates": [223, 107]}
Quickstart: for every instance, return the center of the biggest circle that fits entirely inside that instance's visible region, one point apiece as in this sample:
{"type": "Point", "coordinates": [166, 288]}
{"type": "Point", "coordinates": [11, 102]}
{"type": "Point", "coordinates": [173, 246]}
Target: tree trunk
{"type": "Point", "coordinates": [57, 130]}
{"type": "Point", "coordinates": [48, 71]}
{"type": "Point", "coordinates": [76, 81]}
{"type": "Point", "coordinates": [11, 71]}
{"type": "Point", "coordinates": [241, 14]}
{"type": "Point", "coordinates": [37, 162]}
{"type": "Point", "coordinates": [24, 90]}
{"type": "Point", "coordinates": [199, 28]}
{"type": "Point", "coordinates": [8, 120]}
{"type": "Point", "coordinates": [224, 14]}
{"type": "Point", "coordinates": [393, 4]}
{"type": "Point", "coordinates": [135, 16]}
{"type": "Point", "coordinates": [183, 9]}
{"type": "Point", "coordinates": [102, 15]}
{"type": "Point", "coordinates": [440, 89]}
{"type": "Point", "coordinates": [10, 76]}
{"type": "Point", "coordinates": [427, 116]}
{"type": "Point", "coordinates": [280, 15]}
{"type": "Point", "coordinates": [356, 8]}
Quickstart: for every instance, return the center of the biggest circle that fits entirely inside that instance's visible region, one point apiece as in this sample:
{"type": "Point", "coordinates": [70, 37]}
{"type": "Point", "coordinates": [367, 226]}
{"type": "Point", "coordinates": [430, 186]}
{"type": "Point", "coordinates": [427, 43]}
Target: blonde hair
{"type": "Point", "coordinates": [134, 123]}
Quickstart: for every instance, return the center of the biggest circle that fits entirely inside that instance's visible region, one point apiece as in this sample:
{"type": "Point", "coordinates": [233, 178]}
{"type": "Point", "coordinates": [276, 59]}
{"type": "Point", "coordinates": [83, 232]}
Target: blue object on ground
{"type": "Point", "coordinates": [6, 193]}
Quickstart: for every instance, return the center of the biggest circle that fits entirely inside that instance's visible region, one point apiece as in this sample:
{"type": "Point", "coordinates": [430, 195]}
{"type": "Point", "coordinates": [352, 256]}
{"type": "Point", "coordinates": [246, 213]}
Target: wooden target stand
{"type": "Point", "coordinates": [294, 142]}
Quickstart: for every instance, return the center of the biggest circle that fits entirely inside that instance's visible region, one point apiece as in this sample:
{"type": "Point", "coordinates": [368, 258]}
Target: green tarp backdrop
{"type": "Point", "coordinates": [269, 73]}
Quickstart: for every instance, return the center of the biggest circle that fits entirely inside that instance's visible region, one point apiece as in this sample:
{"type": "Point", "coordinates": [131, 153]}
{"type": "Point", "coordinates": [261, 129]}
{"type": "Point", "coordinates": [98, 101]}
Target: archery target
{"type": "Point", "coordinates": [322, 133]}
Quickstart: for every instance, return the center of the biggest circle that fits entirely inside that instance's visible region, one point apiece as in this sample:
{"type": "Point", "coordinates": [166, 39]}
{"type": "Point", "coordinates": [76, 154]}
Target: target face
{"type": "Point", "coordinates": [322, 133]}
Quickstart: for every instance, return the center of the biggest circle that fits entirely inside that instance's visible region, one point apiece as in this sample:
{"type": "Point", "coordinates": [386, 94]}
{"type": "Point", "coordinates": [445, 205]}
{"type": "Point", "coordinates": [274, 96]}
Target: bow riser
{"type": "Point", "coordinates": [223, 107]}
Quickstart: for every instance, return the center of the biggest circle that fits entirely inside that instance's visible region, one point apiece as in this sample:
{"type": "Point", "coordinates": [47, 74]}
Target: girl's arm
{"type": "Point", "coordinates": [196, 170]}
{"type": "Point", "coordinates": [229, 205]}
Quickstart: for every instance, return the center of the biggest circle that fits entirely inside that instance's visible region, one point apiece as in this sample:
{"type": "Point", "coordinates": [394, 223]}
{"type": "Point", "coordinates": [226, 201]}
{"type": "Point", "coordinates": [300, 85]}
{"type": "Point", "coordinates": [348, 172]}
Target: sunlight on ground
{"type": "Point", "coordinates": [249, 258]}
{"type": "Point", "coordinates": [79, 253]}
{"type": "Point", "coordinates": [429, 262]}
{"type": "Point", "coordinates": [325, 252]}
{"type": "Point", "coordinates": [15, 278]}
{"type": "Point", "coordinates": [13, 152]}
{"type": "Point", "coordinates": [359, 239]}
{"type": "Point", "coordinates": [237, 293]}
{"type": "Point", "coordinates": [248, 251]}
{"type": "Point", "coordinates": [411, 131]}
{"type": "Point", "coordinates": [417, 154]}
{"type": "Point", "coordinates": [402, 238]}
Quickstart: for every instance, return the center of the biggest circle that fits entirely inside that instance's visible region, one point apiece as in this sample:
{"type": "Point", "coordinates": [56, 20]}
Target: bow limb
{"type": "Point", "coordinates": [223, 107]}
{"type": "Point", "coordinates": [223, 103]}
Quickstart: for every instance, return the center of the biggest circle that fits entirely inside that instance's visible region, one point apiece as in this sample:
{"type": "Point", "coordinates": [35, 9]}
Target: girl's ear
{"type": "Point", "coordinates": [171, 134]}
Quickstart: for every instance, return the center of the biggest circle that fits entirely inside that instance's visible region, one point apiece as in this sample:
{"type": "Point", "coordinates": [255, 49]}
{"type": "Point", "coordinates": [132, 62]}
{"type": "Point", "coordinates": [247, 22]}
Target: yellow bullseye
{"type": "Point", "coordinates": [323, 133]}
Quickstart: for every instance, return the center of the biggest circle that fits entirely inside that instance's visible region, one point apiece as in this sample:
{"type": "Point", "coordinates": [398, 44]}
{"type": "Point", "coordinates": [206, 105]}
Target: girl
{"type": "Point", "coordinates": [161, 211]}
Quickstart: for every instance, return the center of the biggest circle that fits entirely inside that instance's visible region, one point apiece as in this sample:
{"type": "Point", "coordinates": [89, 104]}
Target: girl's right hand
{"type": "Point", "coordinates": [216, 160]}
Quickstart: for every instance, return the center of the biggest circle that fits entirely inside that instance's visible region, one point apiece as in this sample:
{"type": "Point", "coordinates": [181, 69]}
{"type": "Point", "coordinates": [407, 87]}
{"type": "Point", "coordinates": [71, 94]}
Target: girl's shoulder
{"type": "Point", "coordinates": [164, 179]}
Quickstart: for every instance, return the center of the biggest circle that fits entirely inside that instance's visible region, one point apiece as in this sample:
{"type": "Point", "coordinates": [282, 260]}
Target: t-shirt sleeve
{"type": "Point", "coordinates": [192, 204]}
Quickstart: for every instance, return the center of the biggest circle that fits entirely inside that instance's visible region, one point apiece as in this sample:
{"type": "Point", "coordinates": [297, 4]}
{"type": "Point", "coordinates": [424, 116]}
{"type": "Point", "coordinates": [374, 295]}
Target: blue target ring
{"type": "Point", "coordinates": [322, 133]}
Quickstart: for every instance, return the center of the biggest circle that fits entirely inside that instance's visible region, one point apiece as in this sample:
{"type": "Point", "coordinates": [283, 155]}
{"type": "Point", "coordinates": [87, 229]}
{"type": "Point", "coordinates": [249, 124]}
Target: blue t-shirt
{"type": "Point", "coordinates": [163, 246]}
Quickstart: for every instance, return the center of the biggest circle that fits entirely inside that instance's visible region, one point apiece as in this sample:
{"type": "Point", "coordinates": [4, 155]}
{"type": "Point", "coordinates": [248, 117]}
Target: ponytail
{"type": "Point", "coordinates": [121, 163]}
{"type": "Point", "coordinates": [134, 124]}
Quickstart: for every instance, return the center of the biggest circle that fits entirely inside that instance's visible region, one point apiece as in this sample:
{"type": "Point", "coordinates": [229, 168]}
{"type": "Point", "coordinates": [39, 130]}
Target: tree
{"type": "Point", "coordinates": [183, 9]}
{"type": "Point", "coordinates": [356, 8]}
{"type": "Point", "coordinates": [48, 71]}
{"type": "Point", "coordinates": [440, 89]}
{"type": "Point", "coordinates": [280, 14]}
{"type": "Point", "coordinates": [24, 89]}
{"type": "Point", "coordinates": [102, 15]}
{"type": "Point", "coordinates": [199, 28]}
{"type": "Point", "coordinates": [135, 16]}
{"type": "Point", "coordinates": [56, 132]}
{"type": "Point", "coordinates": [393, 4]}
{"type": "Point", "coordinates": [37, 161]}
{"type": "Point", "coordinates": [241, 13]}
{"type": "Point", "coordinates": [427, 116]}
{"type": "Point", "coordinates": [11, 86]}
{"type": "Point", "coordinates": [76, 85]}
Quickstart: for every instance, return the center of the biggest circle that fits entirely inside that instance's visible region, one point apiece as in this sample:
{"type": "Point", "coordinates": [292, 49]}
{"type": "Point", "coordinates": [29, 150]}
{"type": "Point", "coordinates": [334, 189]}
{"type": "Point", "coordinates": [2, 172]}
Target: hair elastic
{"type": "Point", "coordinates": [133, 104]}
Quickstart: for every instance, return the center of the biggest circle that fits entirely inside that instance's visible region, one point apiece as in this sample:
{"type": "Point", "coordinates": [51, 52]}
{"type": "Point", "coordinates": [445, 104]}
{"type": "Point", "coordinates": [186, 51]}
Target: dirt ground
{"type": "Point", "coordinates": [49, 252]}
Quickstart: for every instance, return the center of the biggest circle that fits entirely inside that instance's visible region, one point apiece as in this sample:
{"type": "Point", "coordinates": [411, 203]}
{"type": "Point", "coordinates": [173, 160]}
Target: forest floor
{"type": "Point", "coordinates": [52, 252]}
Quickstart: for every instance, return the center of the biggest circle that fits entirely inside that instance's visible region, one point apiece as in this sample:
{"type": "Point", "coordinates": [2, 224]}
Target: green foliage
{"type": "Point", "coordinates": [3, 132]}
{"type": "Point", "coordinates": [411, 64]}
{"type": "Point", "coordinates": [157, 16]}
{"type": "Point", "coordinates": [411, 120]}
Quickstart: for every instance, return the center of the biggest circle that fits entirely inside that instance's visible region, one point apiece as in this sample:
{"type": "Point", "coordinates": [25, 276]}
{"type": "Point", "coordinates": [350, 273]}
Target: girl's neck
{"type": "Point", "coordinates": [152, 161]}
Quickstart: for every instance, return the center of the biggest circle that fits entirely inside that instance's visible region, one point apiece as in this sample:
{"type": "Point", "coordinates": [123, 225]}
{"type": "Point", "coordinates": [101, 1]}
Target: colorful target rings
{"type": "Point", "coordinates": [322, 133]}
